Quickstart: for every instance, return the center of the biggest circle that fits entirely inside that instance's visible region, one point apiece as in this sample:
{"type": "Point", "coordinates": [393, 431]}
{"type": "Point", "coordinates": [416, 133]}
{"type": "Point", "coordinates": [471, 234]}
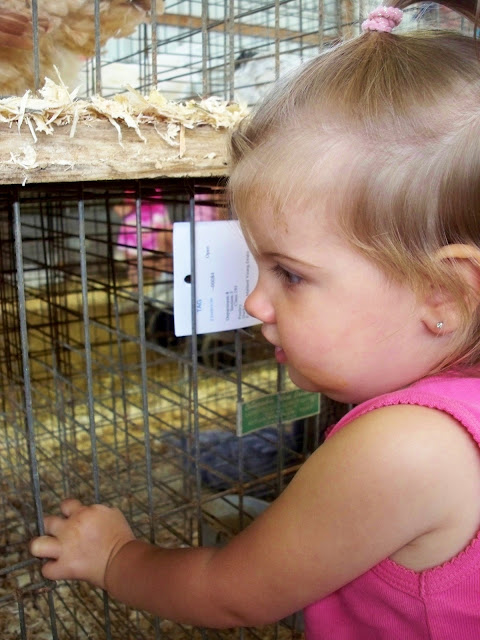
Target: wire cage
{"type": "Point", "coordinates": [99, 399]}
{"type": "Point", "coordinates": [234, 49]}
{"type": "Point", "coordinates": [185, 48]}
{"type": "Point", "coordinates": [238, 49]}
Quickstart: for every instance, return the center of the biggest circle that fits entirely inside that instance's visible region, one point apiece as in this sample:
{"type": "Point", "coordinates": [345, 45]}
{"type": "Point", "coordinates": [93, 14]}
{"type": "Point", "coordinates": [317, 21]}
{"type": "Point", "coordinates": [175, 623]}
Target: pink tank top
{"type": "Point", "coordinates": [390, 602]}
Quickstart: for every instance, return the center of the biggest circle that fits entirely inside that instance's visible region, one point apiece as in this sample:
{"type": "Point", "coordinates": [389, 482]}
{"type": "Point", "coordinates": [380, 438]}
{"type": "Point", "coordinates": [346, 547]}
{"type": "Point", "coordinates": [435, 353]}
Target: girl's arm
{"type": "Point", "coordinates": [381, 482]}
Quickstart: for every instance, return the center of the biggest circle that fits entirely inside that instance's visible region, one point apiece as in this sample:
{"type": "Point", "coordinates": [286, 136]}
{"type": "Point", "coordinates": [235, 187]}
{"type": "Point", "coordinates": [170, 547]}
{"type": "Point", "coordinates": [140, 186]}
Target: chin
{"type": "Point", "coordinates": [300, 381]}
{"type": "Point", "coordinates": [335, 391]}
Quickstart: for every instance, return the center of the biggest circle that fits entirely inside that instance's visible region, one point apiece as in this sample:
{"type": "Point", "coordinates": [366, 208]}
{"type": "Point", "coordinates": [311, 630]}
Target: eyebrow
{"type": "Point", "coordinates": [283, 256]}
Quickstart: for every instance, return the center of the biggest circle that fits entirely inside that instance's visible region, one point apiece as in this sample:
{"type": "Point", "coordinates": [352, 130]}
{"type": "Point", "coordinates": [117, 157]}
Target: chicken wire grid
{"type": "Point", "coordinates": [99, 399]}
{"type": "Point", "coordinates": [184, 48]}
{"type": "Point", "coordinates": [231, 49]}
{"type": "Point", "coordinates": [235, 49]}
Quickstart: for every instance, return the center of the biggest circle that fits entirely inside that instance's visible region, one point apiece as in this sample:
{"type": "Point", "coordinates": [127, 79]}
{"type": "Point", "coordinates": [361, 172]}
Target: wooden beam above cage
{"type": "Point", "coordinates": [238, 27]}
{"type": "Point", "coordinates": [95, 153]}
{"type": "Point", "coordinates": [56, 138]}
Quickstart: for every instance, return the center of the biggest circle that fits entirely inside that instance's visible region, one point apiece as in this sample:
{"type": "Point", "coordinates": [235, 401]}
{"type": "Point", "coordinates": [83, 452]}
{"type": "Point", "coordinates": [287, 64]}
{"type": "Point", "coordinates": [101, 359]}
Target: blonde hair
{"type": "Point", "coordinates": [408, 107]}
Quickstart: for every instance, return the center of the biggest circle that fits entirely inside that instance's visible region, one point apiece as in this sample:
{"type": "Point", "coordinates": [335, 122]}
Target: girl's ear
{"type": "Point", "coordinates": [444, 312]}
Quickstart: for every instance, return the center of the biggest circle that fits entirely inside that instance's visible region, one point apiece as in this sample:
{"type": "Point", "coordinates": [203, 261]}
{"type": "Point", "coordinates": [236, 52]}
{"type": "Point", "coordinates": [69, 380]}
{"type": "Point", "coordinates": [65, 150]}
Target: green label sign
{"type": "Point", "coordinates": [277, 407]}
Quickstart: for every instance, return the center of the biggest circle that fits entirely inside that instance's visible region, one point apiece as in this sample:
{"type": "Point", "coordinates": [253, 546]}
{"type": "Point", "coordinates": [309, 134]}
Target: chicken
{"type": "Point", "coordinates": [255, 74]}
{"type": "Point", "coordinates": [66, 36]}
{"type": "Point", "coordinates": [178, 76]}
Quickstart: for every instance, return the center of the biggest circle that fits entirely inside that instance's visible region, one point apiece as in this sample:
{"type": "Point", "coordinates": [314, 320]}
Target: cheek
{"type": "Point", "coordinates": [330, 337]}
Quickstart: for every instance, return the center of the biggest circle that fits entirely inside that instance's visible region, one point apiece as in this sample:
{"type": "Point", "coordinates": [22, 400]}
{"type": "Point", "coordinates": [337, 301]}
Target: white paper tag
{"type": "Point", "coordinates": [225, 272]}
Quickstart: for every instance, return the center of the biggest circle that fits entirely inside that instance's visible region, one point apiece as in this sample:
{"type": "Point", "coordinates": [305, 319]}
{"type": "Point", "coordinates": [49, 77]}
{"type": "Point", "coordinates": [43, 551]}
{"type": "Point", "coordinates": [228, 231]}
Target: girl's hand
{"type": "Point", "coordinates": [81, 544]}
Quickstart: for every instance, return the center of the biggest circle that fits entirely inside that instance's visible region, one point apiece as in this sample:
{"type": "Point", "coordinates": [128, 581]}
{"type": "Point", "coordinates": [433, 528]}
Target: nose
{"type": "Point", "coordinates": [259, 305]}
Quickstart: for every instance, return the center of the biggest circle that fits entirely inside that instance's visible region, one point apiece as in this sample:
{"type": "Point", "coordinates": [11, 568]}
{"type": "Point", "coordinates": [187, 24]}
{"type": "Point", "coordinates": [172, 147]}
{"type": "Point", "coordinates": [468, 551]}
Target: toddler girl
{"type": "Point", "coordinates": [357, 187]}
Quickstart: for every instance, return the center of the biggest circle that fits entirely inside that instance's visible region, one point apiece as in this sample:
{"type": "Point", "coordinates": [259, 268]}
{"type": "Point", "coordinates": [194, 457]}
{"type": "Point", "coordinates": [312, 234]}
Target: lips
{"type": "Point", "coordinates": [280, 355]}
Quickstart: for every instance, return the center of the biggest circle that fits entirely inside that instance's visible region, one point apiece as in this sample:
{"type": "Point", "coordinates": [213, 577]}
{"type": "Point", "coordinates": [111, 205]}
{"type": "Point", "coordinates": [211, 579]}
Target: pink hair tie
{"type": "Point", "coordinates": [382, 19]}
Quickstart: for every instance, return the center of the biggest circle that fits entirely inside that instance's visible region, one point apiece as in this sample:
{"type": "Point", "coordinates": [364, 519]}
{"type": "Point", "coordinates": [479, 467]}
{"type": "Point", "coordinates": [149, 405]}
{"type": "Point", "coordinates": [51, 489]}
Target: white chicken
{"type": "Point", "coordinates": [179, 75]}
{"type": "Point", "coordinates": [255, 74]}
{"type": "Point", "coordinates": [66, 36]}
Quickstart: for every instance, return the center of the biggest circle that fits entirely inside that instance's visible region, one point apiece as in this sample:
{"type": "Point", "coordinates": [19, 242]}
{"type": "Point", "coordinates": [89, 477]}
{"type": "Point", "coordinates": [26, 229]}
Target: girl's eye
{"type": "Point", "coordinates": [286, 276]}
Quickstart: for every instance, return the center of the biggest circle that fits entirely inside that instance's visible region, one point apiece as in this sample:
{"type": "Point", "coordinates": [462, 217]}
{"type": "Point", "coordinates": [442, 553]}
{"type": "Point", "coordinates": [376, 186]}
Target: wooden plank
{"type": "Point", "coordinates": [95, 153]}
{"type": "Point", "coordinates": [241, 28]}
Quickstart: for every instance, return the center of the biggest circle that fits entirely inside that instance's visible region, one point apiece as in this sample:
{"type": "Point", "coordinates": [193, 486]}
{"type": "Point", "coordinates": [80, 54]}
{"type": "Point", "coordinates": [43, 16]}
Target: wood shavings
{"type": "Point", "coordinates": [58, 107]}
{"type": "Point", "coordinates": [21, 109]}
{"type": "Point", "coordinates": [116, 112]}
{"type": "Point", "coordinates": [27, 159]}
{"type": "Point", "coordinates": [182, 146]}
{"type": "Point", "coordinates": [74, 122]}
{"type": "Point", "coordinates": [30, 126]}
{"type": "Point", "coordinates": [170, 136]}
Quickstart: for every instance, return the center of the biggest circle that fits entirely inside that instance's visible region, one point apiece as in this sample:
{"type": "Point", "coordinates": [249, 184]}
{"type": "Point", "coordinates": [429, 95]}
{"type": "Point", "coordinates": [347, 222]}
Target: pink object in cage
{"type": "Point", "coordinates": [153, 217]}
{"type": "Point", "coordinates": [204, 212]}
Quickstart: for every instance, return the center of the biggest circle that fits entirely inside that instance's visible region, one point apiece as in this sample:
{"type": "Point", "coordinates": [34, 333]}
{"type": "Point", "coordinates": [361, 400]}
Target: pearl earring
{"type": "Point", "coordinates": [440, 325]}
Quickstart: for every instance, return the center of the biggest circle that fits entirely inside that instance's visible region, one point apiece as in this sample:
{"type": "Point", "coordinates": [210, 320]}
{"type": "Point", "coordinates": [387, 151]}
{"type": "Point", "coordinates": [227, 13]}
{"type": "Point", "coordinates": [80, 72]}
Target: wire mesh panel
{"type": "Point", "coordinates": [101, 401]}
{"type": "Point", "coordinates": [231, 49]}
{"type": "Point", "coordinates": [184, 48]}
{"type": "Point", "coordinates": [237, 49]}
